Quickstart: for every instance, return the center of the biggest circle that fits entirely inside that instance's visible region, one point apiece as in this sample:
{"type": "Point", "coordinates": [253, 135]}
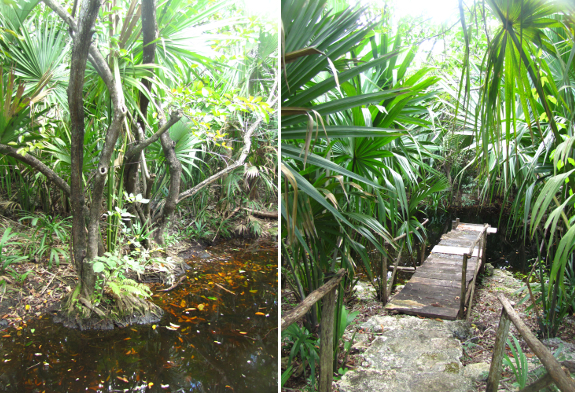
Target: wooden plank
{"type": "Point", "coordinates": [422, 294]}
{"type": "Point", "coordinates": [437, 283]}
{"type": "Point", "coordinates": [426, 301]}
{"type": "Point", "coordinates": [474, 227]}
{"type": "Point", "coordinates": [451, 276]}
{"type": "Point", "coordinates": [453, 250]}
{"type": "Point", "coordinates": [443, 268]}
{"type": "Point", "coordinates": [447, 259]}
{"type": "Point", "coordinates": [427, 311]}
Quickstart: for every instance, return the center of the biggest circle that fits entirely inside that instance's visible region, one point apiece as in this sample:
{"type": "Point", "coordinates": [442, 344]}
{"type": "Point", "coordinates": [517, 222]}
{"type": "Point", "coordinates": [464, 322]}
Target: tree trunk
{"type": "Point", "coordinates": [175, 168]}
{"type": "Point", "coordinates": [80, 49]}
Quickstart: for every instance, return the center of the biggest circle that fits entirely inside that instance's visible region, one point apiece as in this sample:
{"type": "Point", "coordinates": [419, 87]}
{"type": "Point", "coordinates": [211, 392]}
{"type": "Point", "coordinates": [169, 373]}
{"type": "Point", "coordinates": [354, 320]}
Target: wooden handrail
{"type": "Point", "coordinates": [327, 292]}
{"type": "Point", "coordinates": [466, 256]}
{"type": "Point", "coordinates": [508, 314]}
{"type": "Point", "coordinates": [301, 309]}
{"type": "Point", "coordinates": [470, 252]}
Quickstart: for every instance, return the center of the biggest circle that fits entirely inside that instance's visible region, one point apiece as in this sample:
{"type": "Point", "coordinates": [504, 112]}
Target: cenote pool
{"type": "Point", "coordinates": [209, 340]}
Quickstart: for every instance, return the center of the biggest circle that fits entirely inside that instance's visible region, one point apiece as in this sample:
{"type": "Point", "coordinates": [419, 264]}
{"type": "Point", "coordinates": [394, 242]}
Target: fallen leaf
{"type": "Point", "coordinates": [243, 332]}
{"type": "Point", "coordinates": [200, 307]}
{"type": "Point", "coordinates": [153, 326]}
{"type": "Point", "coordinates": [260, 313]}
{"type": "Point", "coordinates": [253, 290]}
{"type": "Point", "coordinates": [127, 338]}
{"type": "Point", "coordinates": [122, 379]}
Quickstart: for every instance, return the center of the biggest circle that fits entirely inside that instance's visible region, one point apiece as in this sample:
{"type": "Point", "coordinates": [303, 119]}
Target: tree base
{"type": "Point", "coordinates": [120, 311]}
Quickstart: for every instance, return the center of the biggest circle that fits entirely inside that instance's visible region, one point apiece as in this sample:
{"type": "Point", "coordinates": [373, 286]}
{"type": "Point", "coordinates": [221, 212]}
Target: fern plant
{"type": "Point", "coordinates": [113, 267]}
{"type": "Point", "coordinates": [120, 287]}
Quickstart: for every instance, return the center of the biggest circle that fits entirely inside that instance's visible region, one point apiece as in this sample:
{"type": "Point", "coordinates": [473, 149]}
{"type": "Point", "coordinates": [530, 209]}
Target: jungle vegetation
{"type": "Point", "coordinates": [374, 132]}
{"type": "Point", "coordinates": [122, 123]}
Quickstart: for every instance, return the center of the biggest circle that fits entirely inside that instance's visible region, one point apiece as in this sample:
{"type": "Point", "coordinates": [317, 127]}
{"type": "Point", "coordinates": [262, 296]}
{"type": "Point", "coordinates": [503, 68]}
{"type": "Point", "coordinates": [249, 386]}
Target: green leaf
{"type": "Point", "coordinates": [98, 267]}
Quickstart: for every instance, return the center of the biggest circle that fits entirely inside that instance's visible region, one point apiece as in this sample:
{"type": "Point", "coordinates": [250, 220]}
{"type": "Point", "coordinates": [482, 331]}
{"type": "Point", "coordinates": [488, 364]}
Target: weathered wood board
{"type": "Point", "coordinates": [435, 288]}
{"type": "Point", "coordinates": [474, 227]}
{"type": "Point", "coordinates": [453, 250]}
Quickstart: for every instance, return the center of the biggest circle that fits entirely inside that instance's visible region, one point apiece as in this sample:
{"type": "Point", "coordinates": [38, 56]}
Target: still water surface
{"type": "Point", "coordinates": [223, 340]}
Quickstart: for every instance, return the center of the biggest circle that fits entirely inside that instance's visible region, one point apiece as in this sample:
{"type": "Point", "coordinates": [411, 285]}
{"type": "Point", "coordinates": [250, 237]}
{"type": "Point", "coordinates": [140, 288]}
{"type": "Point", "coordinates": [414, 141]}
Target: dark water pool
{"type": "Point", "coordinates": [221, 341]}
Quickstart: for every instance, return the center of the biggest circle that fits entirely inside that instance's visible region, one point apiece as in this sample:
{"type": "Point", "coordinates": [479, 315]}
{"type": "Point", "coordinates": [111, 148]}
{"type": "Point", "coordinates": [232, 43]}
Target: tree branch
{"type": "Point", "coordinates": [94, 56]}
{"type": "Point", "coordinates": [140, 146]}
{"type": "Point", "coordinates": [38, 165]}
{"type": "Point", "coordinates": [239, 162]}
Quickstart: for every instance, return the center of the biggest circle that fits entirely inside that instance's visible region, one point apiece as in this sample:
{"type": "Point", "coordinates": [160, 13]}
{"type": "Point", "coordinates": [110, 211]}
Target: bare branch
{"type": "Point", "coordinates": [38, 165]}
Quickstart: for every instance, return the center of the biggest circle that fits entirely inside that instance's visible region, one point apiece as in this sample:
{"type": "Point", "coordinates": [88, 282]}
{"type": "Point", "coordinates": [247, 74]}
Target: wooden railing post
{"type": "Point", "coordinates": [384, 279]}
{"type": "Point", "coordinates": [326, 340]}
{"type": "Point", "coordinates": [424, 241]}
{"type": "Point", "coordinates": [498, 350]}
{"type": "Point", "coordinates": [463, 288]}
{"type": "Point", "coordinates": [563, 381]}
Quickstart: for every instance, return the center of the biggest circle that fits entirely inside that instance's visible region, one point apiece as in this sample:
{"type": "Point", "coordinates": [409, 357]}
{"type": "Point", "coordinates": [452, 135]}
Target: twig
{"type": "Point", "coordinates": [173, 286]}
{"type": "Point", "coordinates": [32, 366]}
{"type": "Point", "coordinates": [270, 331]}
{"type": "Point", "coordinates": [46, 287]}
{"type": "Point", "coordinates": [224, 288]}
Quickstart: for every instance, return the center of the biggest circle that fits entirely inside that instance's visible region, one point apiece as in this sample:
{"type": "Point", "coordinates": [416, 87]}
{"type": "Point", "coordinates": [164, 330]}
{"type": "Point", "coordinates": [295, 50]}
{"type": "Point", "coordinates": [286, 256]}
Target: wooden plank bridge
{"type": "Point", "coordinates": [437, 288]}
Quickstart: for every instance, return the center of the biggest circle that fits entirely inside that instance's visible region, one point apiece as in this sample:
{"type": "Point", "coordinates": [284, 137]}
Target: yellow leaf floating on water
{"type": "Point", "coordinates": [183, 303]}
{"type": "Point", "coordinates": [253, 290]}
{"type": "Point", "coordinates": [260, 313]}
{"type": "Point", "coordinates": [243, 332]}
{"type": "Point", "coordinates": [153, 326]}
{"type": "Point", "coordinates": [201, 307]}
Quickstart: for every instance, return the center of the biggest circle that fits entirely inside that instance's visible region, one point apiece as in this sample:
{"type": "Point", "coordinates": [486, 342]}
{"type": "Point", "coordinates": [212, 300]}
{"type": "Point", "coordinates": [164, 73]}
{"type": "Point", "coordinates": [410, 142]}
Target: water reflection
{"type": "Point", "coordinates": [219, 334]}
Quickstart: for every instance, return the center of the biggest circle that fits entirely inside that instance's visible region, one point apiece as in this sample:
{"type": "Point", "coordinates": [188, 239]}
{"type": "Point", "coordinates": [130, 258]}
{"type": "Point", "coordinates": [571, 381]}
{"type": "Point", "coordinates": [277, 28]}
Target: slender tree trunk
{"type": "Point", "coordinates": [175, 168]}
{"type": "Point", "coordinates": [149, 31]}
{"type": "Point", "coordinates": [81, 45]}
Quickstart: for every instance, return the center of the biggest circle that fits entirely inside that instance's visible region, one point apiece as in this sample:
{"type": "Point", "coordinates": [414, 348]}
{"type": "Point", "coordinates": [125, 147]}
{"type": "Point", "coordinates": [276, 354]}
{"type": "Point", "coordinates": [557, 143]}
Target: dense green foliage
{"type": "Point", "coordinates": [211, 64]}
{"type": "Point", "coordinates": [374, 130]}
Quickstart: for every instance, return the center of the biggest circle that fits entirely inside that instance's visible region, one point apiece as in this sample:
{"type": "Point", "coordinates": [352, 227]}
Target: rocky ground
{"type": "Point", "coordinates": [406, 353]}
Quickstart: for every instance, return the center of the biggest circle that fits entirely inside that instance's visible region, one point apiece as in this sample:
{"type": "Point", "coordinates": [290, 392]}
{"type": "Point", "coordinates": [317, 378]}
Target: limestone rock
{"type": "Point", "coordinates": [410, 354]}
{"type": "Point", "coordinates": [477, 371]}
{"type": "Point", "coordinates": [489, 269]}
